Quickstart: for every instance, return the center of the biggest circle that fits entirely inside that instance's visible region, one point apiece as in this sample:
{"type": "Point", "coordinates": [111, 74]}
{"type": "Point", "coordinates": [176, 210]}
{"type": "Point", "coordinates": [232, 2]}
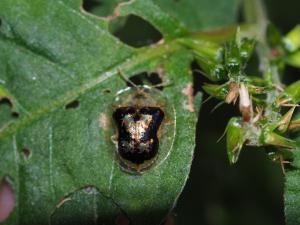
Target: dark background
{"type": "Point", "coordinates": [248, 193]}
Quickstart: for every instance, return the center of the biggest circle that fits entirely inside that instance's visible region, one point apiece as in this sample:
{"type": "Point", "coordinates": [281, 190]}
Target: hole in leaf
{"type": "Point", "coordinates": [26, 153]}
{"type": "Point", "coordinates": [15, 115]}
{"type": "Point", "coordinates": [144, 78]}
{"type": "Point", "coordinates": [73, 105]}
{"type": "Point", "coordinates": [90, 5]}
{"type": "Point", "coordinates": [6, 111]}
{"type": "Point", "coordinates": [6, 101]}
{"type": "Point", "coordinates": [134, 31]}
{"type": "Point", "coordinates": [102, 8]}
{"type": "Point", "coordinates": [106, 91]}
{"type": "Point", "coordinates": [7, 200]}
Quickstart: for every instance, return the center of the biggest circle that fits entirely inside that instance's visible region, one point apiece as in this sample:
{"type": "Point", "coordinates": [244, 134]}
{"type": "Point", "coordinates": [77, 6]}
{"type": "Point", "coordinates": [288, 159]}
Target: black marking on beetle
{"type": "Point", "coordinates": [137, 132]}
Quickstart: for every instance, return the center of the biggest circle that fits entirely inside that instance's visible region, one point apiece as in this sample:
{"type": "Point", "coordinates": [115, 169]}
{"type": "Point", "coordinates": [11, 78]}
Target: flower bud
{"type": "Point", "coordinates": [245, 103]}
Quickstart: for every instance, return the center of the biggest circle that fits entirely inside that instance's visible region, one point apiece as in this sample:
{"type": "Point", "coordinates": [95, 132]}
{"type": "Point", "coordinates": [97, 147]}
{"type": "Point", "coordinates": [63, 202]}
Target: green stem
{"type": "Point", "coordinates": [254, 12]}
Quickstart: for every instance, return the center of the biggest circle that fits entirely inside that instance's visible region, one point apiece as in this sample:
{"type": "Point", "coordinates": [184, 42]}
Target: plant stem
{"type": "Point", "coordinates": [254, 12]}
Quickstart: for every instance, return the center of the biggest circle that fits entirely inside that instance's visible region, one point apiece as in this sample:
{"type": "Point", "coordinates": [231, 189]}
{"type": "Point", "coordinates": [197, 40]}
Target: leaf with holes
{"type": "Point", "coordinates": [59, 71]}
{"type": "Point", "coordinates": [194, 14]}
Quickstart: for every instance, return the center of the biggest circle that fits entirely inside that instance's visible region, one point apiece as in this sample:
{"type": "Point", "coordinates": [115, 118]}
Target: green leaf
{"type": "Point", "coordinates": [169, 26]}
{"type": "Point", "coordinates": [216, 90]}
{"type": "Point", "coordinates": [193, 14]}
{"type": "Point", "coordinates": [201, 14]}
{"type": "Point", "coordinates": [292, 40]}
{"type": "Point", "coordinates": [271, 138]}
{"type": "Point", "coordinates": [59, 67]}
{"type": "Point", "coordinates": [237, 53]}
{"type": "Point", "coordinates": [292, 191]}
{"type": "Point", "coordinates": [293, 92]}
{"type": "Point", "coordinates": [284, 121]}
{"type": "Point", "coordinates": [209, 56]}
{"type": "Point", "coordinates": [10, 107]}
{"type": "Point", "coordinates": [85, 206]}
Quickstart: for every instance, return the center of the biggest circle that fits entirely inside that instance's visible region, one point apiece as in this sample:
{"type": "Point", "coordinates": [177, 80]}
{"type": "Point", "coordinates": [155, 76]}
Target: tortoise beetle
{"type": "Point", "coordinates": [144, 128]}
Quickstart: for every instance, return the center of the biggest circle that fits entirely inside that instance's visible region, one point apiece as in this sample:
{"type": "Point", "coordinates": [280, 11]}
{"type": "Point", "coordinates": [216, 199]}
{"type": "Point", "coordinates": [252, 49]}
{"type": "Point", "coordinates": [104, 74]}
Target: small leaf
{"type": "Point", "coordinates": [246, 49]}
{"type": "Point", "coordinates": [232, 58]}
{"type": "Point", "coordinates": [209, 55]}
{"type": "Point", "coordinates": [216, 90]}
{"type": "Point", "coordinates": [284, 122]}
{"type": "Point", "coordinates": [293, 92]}
{"type": "Point", "coordinates": [271, 138]}
{"type": "Point", "coordinates": [237, 54]}
{"type": "Point", "coordinates": [294, 124]}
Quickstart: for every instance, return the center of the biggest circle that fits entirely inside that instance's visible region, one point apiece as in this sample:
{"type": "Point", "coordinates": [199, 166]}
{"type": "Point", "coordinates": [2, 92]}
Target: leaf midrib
{"type": "Point", "coordinates": [141, 55]}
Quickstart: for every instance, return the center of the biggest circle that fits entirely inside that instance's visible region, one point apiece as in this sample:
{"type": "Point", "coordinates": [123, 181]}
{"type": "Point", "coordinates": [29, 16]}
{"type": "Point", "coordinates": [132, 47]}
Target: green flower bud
{"type": "Point", "coordinates": [235, 139]}
{"type": "Point", "coordinates": [292, 40]}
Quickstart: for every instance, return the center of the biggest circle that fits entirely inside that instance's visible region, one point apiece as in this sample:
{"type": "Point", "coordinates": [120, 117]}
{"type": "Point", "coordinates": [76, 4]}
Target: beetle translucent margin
{"type": "Point", "coordinates": [139, 106]}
